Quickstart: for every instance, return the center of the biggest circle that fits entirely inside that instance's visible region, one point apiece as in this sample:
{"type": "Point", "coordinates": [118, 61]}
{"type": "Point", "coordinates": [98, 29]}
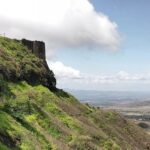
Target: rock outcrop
{"type": "Point", "coordinates": [37, 48]}
{"type": "Point", "coordinates": [18, 63]}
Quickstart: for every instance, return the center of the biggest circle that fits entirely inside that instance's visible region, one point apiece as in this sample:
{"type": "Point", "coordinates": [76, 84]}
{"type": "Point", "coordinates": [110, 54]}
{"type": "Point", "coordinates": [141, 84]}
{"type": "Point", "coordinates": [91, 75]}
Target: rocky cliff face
{"type": "Point", "coordinates": [37, 48]}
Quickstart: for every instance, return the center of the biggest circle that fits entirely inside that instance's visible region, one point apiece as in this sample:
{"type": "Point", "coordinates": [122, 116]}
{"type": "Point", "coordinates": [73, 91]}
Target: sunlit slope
{"type": "Point", "coordinates": [32, 117]}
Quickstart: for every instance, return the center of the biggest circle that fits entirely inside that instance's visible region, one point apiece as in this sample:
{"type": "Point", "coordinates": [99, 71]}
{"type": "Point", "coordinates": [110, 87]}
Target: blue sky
{"type": "Point", "coordinates": [133, 55]}
{"type": "Point", "coordinates": [133, 20]}
{"type": "Point", "coordinates": [90, 44]}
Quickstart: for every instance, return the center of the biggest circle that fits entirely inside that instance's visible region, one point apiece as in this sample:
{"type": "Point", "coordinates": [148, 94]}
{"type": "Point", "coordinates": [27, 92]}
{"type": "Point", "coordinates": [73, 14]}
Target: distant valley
{"type": "Point", "coordinates": [133, 105]}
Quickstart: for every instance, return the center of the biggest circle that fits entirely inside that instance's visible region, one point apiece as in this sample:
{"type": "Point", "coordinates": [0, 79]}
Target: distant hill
{"type": "Point", "coordinates": [35, 115]}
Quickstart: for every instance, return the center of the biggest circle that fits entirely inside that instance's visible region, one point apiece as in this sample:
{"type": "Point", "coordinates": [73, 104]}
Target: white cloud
{"type": "Point", "coordinates": [120, 77]}
{"type": "Point", "coordinates": [64, 72]}
{"type": "Point", "coordinates": [61, 23]}
{"type": "Point", "coordinates": [125, 76]}
{"type": "Point", "coordinates": [61, 71]}
{"type": "Point", "coordinates": [68, 77]}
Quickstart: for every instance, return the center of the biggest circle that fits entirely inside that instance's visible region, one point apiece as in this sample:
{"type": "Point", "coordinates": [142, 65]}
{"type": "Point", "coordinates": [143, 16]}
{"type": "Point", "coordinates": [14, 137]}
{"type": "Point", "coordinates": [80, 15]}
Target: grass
{"type": "Point", "coordinates": [110, 145]}
{"type": "Point", "coordinates": [3, 147]}
{"type": "Point", "coordinates": [39, 112]}
{"type": "Point", "coordinates": [17, 136]}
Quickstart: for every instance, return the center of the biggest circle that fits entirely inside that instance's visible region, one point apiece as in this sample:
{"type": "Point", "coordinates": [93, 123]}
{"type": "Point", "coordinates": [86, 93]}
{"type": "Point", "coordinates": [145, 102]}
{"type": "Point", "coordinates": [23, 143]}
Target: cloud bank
{"type": "Point", "coordinates": [64, 72]}
{"type": "Point", "coordinates": [61, 23]}
{"type": "Point", "coordinates": [72, 78]}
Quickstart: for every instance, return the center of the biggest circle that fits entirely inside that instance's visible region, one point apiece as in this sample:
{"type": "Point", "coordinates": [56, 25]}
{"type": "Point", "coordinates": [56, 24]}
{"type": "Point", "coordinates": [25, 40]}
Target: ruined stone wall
{"type": "Point", "coordinates": [37, 48]}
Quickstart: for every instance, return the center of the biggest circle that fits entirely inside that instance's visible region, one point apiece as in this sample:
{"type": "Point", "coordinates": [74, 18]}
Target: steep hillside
{"type": "Point", "coordinates": [18, 63]}
{"type": "Point", "coordinates": [35, 117]}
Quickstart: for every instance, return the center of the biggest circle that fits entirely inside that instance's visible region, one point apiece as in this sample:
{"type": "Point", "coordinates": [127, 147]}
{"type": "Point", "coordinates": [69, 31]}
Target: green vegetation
{"type": "Point", "coordinates": [34, 118]}
{"type": "Point", "coordinates": [18, 63]}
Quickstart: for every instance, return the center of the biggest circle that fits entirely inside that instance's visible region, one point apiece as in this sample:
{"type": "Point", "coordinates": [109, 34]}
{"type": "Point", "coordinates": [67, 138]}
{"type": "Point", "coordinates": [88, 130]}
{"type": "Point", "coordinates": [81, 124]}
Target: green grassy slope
{"type": "Point", "coordinates": [34, 118]}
